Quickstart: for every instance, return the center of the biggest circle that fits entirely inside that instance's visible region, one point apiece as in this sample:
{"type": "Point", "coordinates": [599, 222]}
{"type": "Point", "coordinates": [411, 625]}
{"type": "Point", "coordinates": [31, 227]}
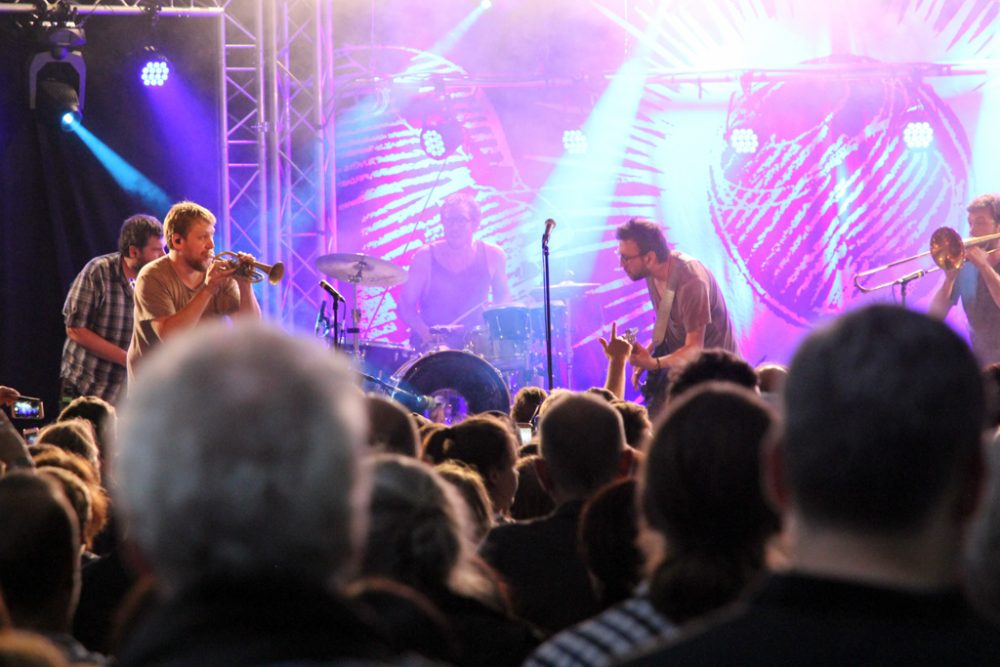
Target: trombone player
{"type": "Point", "coordinates": [188, 285]}
{"type": "Point", "coordinates": [977, 282]}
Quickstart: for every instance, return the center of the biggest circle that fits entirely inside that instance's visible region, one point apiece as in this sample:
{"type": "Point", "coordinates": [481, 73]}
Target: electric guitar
{"type": "Point", "coordinates": [654, 386]}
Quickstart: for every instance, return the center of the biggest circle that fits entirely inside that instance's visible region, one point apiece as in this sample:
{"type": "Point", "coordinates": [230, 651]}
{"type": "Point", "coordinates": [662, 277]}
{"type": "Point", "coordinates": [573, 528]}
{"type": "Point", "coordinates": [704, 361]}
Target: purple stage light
{"type": "Point", "coordinates": [574, 142]}
{"type": "Point", "coordinates": [918, 135]}
{"type": "Point", "coordinates": [743, 140]}
{"type": "Point", "coordinates": [155, 72]}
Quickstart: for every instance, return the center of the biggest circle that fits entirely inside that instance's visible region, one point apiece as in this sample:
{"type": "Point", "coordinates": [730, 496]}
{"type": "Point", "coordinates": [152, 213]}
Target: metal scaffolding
{"type": "Point", "coordinates": [279, 135]}
{"type": "Point", "coordinates": [275, 85]}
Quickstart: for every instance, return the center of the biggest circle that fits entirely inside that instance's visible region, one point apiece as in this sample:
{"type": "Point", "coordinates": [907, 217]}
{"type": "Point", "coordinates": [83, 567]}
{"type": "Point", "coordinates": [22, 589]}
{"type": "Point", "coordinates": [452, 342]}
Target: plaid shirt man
{"type": "Point", "coordinates": [100, 299]}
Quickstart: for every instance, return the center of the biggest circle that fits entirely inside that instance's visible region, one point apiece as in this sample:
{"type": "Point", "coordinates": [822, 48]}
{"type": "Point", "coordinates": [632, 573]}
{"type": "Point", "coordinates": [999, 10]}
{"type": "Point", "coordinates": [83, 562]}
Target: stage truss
{"type": "Point", "coordinates": [278, 152]}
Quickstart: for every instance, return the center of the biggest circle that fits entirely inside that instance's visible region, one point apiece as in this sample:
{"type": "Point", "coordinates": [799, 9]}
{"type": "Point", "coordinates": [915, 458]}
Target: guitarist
{"type": "Point", "coordinates": [690, 309]}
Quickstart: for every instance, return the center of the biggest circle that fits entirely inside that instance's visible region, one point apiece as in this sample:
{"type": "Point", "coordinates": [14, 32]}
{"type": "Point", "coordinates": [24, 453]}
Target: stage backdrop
{"type": "Point", "coordinates": [788, 145]}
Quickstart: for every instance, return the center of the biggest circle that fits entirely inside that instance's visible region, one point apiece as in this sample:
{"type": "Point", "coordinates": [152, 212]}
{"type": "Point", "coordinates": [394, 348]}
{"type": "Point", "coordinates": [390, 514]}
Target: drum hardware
{"type": "Point", "coordinates": [567, 289]}
{"type": "Point", "coordinates": [360, 269]}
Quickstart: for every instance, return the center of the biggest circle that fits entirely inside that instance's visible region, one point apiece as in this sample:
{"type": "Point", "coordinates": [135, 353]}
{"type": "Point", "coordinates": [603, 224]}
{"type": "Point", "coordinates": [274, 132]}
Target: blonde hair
{"type": "Point", "coordinates": [181, 216]}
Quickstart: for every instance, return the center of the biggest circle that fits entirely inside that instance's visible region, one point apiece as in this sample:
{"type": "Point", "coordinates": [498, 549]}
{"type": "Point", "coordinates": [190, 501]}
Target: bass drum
{"type": "Point", "coordinates": [458, 383]}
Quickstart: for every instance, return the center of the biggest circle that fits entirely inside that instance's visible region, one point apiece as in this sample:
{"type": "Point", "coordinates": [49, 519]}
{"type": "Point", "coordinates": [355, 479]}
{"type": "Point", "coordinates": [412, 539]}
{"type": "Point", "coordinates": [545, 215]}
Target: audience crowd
{"type": "Point", "coordinates": [250, 508]}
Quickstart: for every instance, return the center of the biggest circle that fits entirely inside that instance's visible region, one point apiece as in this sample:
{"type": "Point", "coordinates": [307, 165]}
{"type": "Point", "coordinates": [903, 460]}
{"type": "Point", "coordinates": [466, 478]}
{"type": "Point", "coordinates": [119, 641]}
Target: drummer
{"type": "Point", "coordinates": [451, 280]}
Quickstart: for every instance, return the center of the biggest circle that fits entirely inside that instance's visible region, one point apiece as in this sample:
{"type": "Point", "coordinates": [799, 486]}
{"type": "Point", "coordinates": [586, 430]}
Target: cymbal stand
{"type": "Point", "coordinates": [355, 327]}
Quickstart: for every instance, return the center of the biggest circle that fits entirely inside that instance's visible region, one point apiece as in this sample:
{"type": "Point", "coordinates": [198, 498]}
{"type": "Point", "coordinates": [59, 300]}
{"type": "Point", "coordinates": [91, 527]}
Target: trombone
{"type": "Point", "coordinates": [948, 250]}
{"type": "Point", "coordinates": [255, 272]}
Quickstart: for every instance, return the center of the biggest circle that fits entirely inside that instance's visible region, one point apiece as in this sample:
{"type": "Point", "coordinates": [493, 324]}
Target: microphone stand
{"type": "Point", "coordinates": [412, 400]}
{"type": "Point", "coordinates": [322, 328]}
{"type": "Point", "coordinates": [547, 299]}
{"type": "Point", "coordinates": [336, 325]}
{"type": "Point", "coordinates": [904, 281]}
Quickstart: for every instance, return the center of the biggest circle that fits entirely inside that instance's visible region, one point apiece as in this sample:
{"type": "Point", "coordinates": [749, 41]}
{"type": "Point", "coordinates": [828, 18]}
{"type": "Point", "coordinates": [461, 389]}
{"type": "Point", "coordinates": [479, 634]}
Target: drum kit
{"type": "Point", "coordinates": [459, 371]}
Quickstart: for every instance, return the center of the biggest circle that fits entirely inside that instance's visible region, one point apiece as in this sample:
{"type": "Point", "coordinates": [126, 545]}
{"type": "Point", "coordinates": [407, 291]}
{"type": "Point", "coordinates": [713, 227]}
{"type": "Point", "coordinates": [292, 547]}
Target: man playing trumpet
{"type": "Point", "coordinates": [187, 285]}
{"type": "Point", "coordinates": [977, 282]}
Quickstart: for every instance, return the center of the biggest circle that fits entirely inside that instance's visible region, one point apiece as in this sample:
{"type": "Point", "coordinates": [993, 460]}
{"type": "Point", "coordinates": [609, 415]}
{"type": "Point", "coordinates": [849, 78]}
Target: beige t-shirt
{"type": "Point", "coordinates": [698, 302]}
{"type": "Point", "coordinates": [159, 292]}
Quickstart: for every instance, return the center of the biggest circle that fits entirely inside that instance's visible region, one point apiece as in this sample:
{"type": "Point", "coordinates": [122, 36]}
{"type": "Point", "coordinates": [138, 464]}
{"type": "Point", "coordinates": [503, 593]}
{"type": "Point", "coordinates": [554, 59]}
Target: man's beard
{"type": "Point", "coordinates": [199, 263]}
{"type": "Point", "coordinates": [641, 275]}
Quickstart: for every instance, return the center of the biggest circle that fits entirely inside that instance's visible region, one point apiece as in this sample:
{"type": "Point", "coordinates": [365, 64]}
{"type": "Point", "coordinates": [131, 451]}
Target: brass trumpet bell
{"type": "Point", "coordinates": [255, 272]}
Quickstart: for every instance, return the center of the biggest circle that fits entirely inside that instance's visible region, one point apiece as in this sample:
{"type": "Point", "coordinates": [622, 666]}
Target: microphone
{"type": "Point", "coordinates": [332, 291]}
{"type": "Point", "coordinates": [911, 277]}
{"type": "Point", "coordinates": [550, 224]}
{"type": "Point", "coordinates": [425, 403]}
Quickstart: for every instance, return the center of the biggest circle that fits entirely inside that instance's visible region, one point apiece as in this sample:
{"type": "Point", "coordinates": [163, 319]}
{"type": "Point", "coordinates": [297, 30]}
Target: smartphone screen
{"type": "Point", "coordinates": [26, 407]}
{"type": "Point", "coordinates": [525, 430]}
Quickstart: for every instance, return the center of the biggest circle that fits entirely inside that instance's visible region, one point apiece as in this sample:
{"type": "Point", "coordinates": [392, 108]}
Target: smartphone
{"type": "Point", "coordinates": [26, 407]}
{"type": "Point", "coordinates": [30, 435]}
{"type": "Point", "coordinates": [525, 431]}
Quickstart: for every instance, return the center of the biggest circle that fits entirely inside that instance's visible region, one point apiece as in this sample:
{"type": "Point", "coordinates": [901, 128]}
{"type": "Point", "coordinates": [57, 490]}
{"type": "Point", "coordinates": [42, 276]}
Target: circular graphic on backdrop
{"type": "Point", "coordinates": [833, 188]}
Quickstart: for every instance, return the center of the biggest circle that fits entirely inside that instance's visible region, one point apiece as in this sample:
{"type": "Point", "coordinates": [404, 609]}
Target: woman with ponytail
{"type": "Point", "coordinates": [486, 445]}
{"type": "Point", "coordinates": [705, 532]}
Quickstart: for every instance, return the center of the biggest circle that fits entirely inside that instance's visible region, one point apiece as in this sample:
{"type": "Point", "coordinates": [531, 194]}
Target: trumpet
{"type": "Point", "coordinates": [253, 273]}
{"type": "Point", "coordinates": [947, 250]}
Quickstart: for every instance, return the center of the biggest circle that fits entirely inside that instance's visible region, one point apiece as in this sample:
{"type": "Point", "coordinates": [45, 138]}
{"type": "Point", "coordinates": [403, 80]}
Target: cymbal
{"type": "Point", "coordinates": [567, 289]}
{"type": "Point", "coordinates": [362, 269]}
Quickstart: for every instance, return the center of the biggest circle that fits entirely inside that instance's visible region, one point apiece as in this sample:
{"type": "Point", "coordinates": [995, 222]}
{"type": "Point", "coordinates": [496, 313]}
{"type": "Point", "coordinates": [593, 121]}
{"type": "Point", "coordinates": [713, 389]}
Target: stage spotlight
{"type": "Point", "coordinates": [57, 74]}
{"type": "Point", "coordinates": [743, 140]}
{"type": "Point", "coordinates": [155, 73]}
{"type": "Point", "coordinates": [433, 143]}
{"type": "Point", "coordinates": [57, 101]}
{"type": "Point", "coordinates": [155, 67]}
{"type": "Point", "coordinates": [485, 4]}
{"type": "Point", "coordinates": [918, 135]}
{"type": "Point", "coordinates": [69, 120]}
{"type": "Point", "coordinates": [574, 142]}
{"type": "Point", "coordinates": [440, 137]}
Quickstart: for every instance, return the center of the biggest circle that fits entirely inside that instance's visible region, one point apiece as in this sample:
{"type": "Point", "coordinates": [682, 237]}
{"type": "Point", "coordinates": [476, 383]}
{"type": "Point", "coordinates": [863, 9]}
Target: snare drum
{"type": "Point", "coordinates": [461, 383]}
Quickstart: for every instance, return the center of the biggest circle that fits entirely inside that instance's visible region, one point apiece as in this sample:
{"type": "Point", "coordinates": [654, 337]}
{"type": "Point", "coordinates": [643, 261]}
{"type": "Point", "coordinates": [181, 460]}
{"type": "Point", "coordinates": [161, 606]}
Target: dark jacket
{"type": "Point", "coordinates": [255, 622]}
{"type": "Point", "coordinates": [539, 560]}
